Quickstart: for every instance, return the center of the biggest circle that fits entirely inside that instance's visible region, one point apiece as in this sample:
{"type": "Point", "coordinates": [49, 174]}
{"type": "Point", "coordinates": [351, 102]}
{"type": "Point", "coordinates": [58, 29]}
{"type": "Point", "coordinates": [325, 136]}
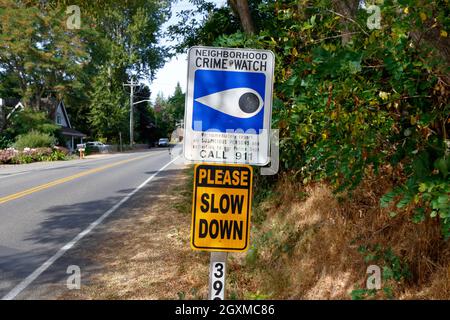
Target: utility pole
{"type": "Point", "coordinates": [131, 114]}
{"type": "Point", "coordinates": [131, 85]}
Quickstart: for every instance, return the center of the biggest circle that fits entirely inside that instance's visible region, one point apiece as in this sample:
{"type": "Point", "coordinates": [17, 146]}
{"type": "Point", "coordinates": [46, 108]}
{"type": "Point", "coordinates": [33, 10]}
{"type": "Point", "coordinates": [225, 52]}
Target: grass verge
{"type": "Point", "coordinates": [146, 254]}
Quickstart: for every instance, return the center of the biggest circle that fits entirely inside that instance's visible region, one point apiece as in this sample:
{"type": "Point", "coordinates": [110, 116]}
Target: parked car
{"type": "Point", "coordinates": [96, 146]}
{"type": "Point", "coordinates": [163, 142]}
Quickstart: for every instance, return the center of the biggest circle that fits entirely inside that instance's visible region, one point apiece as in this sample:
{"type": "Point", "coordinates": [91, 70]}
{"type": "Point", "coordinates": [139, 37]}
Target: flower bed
{"type": "Point", "coordinates": [28, 155]}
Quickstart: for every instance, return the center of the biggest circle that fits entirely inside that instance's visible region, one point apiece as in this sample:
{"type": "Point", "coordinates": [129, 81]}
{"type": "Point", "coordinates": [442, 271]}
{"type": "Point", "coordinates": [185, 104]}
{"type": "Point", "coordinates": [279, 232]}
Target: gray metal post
{"type": "Point", "coordinates": [120, 141]}
{"type": "Point", "coordinates": [131, 114]}
{"type": "Point", "coordinates": [217, 271]}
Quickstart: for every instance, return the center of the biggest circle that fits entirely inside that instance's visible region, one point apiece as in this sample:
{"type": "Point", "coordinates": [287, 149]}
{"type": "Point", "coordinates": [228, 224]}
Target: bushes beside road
{"type": "Point", "coordinates": [32, 147]}
{"type": "Point", "coordinates": [34, 139]}
{"type": "Point", "coordinates": [28, 155]}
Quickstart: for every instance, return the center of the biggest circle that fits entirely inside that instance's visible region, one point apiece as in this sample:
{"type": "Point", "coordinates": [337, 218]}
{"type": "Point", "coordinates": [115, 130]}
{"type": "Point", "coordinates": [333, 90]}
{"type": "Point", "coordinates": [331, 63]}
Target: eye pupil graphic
{"type": "Point", "coordinates": [249, 102]}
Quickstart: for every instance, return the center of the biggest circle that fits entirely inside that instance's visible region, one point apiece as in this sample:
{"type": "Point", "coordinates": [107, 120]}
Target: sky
{"type": "Point", "coordinates": [175, 70]}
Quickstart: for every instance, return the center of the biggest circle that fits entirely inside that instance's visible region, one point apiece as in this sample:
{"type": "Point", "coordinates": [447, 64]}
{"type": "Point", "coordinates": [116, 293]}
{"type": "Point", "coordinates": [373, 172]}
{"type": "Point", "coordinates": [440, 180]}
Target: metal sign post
{"type": "Point", "coordinates": [227, 121]}
{"type": "Point", "coordinates": [221, 210]}
{"type": "Point", "coordinates": [217, 271]}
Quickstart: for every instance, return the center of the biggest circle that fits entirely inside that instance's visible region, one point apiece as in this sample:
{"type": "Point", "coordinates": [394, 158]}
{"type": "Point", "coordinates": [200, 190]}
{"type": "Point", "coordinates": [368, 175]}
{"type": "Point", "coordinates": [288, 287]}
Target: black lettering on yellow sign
{"type": "Point", "coordinates": [221, 207]}
{"type": "Point", "coordinates": [225, 229]}
{"type": "Point", "coordinates": [226, 202]}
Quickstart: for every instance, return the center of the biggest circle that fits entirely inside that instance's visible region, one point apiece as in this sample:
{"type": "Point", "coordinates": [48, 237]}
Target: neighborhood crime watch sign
{"type": "Point", "coordinates": [221, 207]}
{"type": "Point", "coordinates": [228, 105]}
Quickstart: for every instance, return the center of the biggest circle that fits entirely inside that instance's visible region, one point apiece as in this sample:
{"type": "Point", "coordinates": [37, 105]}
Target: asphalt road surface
{"type": "Point", "coordinates": [46, 208]}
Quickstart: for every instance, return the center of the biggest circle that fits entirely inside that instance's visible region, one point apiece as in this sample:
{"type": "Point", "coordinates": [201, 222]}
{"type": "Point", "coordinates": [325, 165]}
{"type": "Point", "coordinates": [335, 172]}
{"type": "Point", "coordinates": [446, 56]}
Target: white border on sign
{"type": "Point", "coordinates": [262, 137]}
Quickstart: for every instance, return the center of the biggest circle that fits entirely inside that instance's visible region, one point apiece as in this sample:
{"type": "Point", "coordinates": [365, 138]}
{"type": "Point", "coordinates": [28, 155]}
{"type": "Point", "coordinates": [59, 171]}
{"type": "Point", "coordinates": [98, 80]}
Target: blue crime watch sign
{"type": "Point", "coordinates": [228, 105]}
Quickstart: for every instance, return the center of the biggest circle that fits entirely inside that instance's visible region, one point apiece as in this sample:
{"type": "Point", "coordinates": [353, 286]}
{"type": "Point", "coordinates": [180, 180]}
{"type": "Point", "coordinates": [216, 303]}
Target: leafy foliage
{"type": "Point", "coordinates": [109, 108]}
{"type": "Point", "coordinates": [346, 108]}
{"type": "Point", "coordinates": [394, 270]}
{"type": "Point", "coordinates": [34, 139]}
{"type": "Point", "coordinates": [37, 53]}
{"type": "Point", "coordinates": [41, 58]}
{"type": "Point", "coordinates": [24, 121]}
{"type": "Point", "coordinates": [168, 112]}
{"type": "Point", "coordinates": [5, 142]}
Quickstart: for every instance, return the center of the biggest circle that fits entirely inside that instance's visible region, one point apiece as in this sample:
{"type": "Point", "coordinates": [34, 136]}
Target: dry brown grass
{"type": "Point", "coordinates": [307, 247]}
{"type": "Point", "coordinates": [146, 253]}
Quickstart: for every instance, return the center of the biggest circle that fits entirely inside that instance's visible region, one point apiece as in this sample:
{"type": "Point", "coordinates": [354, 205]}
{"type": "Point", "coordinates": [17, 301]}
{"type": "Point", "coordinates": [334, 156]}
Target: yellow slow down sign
{"type": "Point", "coordinates": [221, 207]}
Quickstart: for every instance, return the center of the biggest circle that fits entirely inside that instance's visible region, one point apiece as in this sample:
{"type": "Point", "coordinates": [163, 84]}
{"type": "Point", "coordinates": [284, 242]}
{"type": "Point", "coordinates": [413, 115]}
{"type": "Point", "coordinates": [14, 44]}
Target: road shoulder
{"type": "Point", "coordinates": [144, 253]}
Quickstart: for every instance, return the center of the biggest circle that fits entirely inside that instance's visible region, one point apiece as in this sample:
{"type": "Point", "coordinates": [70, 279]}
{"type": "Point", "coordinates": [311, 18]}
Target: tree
{"type": "Point", "coordinates": [163, 118]}
{"type": "Point", "coordinates": [109, 108]}
{"type": "Point", "coordinates": [130, 32]}
{"type": "Point", "coordinates": [41, 58]}
{"type": "Point", "coordinates": [348, 106]}
{"type": "Point", "coordinates": [37, 52]}
{"type": "Point", "coordinates": [129, 42]}
{"type": "Point", "coordinates": [144, 115]}
{"type": "Point", "coordinates": [168, 112]}
{"type": "Point", "coordinates": [176, 102]}
{"type": "Point", "coordinates": [205, 24]}
{"type": "Point", "coordinates": [241, 8]}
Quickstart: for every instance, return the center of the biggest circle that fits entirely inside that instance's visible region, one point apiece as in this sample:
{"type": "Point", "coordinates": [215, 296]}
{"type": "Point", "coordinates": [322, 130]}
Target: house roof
{"type": "Point", "coordinates": [65, 131]}
{"type": "Point", "coordinates": [9, 102]}
{"type": "Point", "coordinates": [50, 103]}
{"type": "Point", "coordinates": [63, 108]}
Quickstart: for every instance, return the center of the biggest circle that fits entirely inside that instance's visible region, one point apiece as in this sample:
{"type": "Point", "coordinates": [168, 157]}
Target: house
{"type": "Point", "coordinates": [71, 136]}
{"type": "Point", "coordinates": [56, 112]}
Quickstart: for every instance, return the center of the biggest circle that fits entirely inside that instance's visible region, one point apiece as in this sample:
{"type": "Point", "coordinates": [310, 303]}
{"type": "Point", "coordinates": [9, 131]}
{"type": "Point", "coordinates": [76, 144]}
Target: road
{"type": "Point", "coordinates": [46, 208]}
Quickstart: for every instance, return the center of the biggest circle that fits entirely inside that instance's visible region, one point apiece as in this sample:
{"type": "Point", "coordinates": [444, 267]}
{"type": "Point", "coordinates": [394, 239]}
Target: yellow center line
{"type": "Point", "coordinates": [63, 180]}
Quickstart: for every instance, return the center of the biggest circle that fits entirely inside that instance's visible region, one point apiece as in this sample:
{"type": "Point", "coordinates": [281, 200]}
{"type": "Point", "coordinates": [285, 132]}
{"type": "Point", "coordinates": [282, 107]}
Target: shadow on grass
{"type": "Point", "coordinates": [64, 223]}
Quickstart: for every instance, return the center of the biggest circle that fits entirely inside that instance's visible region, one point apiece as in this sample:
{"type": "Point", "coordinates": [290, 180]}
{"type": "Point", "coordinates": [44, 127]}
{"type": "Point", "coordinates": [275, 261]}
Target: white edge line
{"type": "Point", "coordinates": [36, 273]}
{"type": "Point", "coordinates": [13, 174]}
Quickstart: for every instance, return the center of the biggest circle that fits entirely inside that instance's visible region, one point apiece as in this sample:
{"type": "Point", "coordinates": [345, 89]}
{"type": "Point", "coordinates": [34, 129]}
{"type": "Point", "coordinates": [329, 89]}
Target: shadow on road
{"type": "Point", "coordinates": [65, 223]}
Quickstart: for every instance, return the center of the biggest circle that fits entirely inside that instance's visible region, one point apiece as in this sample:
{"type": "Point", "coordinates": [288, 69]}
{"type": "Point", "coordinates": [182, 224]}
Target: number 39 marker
{"type": "Point", "coordinates": [217, 281]}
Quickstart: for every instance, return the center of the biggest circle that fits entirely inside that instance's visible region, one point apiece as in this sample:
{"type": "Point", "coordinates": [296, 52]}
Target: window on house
{"type": "Point", "coordinates": [58, 119]}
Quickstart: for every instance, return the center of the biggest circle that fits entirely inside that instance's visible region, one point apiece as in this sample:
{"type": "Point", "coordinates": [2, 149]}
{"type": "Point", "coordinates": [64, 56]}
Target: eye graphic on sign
{"type": "Point", "coordinates": [237, 102]}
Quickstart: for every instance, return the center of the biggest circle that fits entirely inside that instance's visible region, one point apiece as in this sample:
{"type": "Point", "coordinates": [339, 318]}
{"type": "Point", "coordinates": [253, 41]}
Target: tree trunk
{"type": "Point", "coordinates": [241, 9]}
{"type": "Point", "coordinates": [347, 8]}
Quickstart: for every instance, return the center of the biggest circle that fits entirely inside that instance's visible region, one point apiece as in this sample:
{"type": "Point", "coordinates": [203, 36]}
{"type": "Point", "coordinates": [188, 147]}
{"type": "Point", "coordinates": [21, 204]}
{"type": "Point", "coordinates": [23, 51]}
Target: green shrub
{"type": "Point", "coordinates": [57, 155]}
{"type": "Point", "coordinates": [394, 271]}
{"type": "Point", "coordinates": [347, 110]}
{"type": "Point", "coordinates": [27, 120]}
{"type": "Point", "coordinates": [5, 142]}
{"type": "Point", "coordinates": [34, 139]}
{"type": "Point", "coordinates": [37, 154]}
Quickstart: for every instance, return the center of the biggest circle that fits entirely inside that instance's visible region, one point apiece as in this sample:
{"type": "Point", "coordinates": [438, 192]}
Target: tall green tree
{"type": "Point", "coordinates": [175, 103]}
{"type": "Point", "coordinates": [168, 112]}
{"type": "Point", "coordinates": [144, 115]}
{"type": "Point", "coordinates": [351, 98]}
{"type": "Point", "coordinates": [40, 57]}
{"type": "Point", "coordinates": [38, 52]}
{"type": "Point", "coordinates": [129, 47]}
{"type": "Point", "coordinates": [109, 108]}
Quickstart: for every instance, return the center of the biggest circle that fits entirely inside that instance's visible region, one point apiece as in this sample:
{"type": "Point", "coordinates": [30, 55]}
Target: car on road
{"type": "Point", "coordinates": [163, 142]}
{"type": "Point", "coordinates": [96, 146]}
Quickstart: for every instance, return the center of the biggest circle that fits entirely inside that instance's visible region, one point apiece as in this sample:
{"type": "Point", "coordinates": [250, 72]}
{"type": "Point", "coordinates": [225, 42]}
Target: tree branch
{"type": "Point", "coordinates": [242, 10]}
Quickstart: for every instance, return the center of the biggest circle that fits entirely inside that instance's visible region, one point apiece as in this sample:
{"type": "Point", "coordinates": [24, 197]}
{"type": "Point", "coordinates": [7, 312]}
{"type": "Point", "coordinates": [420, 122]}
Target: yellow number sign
{"type": "Point", "coordinates": [221, 207]}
